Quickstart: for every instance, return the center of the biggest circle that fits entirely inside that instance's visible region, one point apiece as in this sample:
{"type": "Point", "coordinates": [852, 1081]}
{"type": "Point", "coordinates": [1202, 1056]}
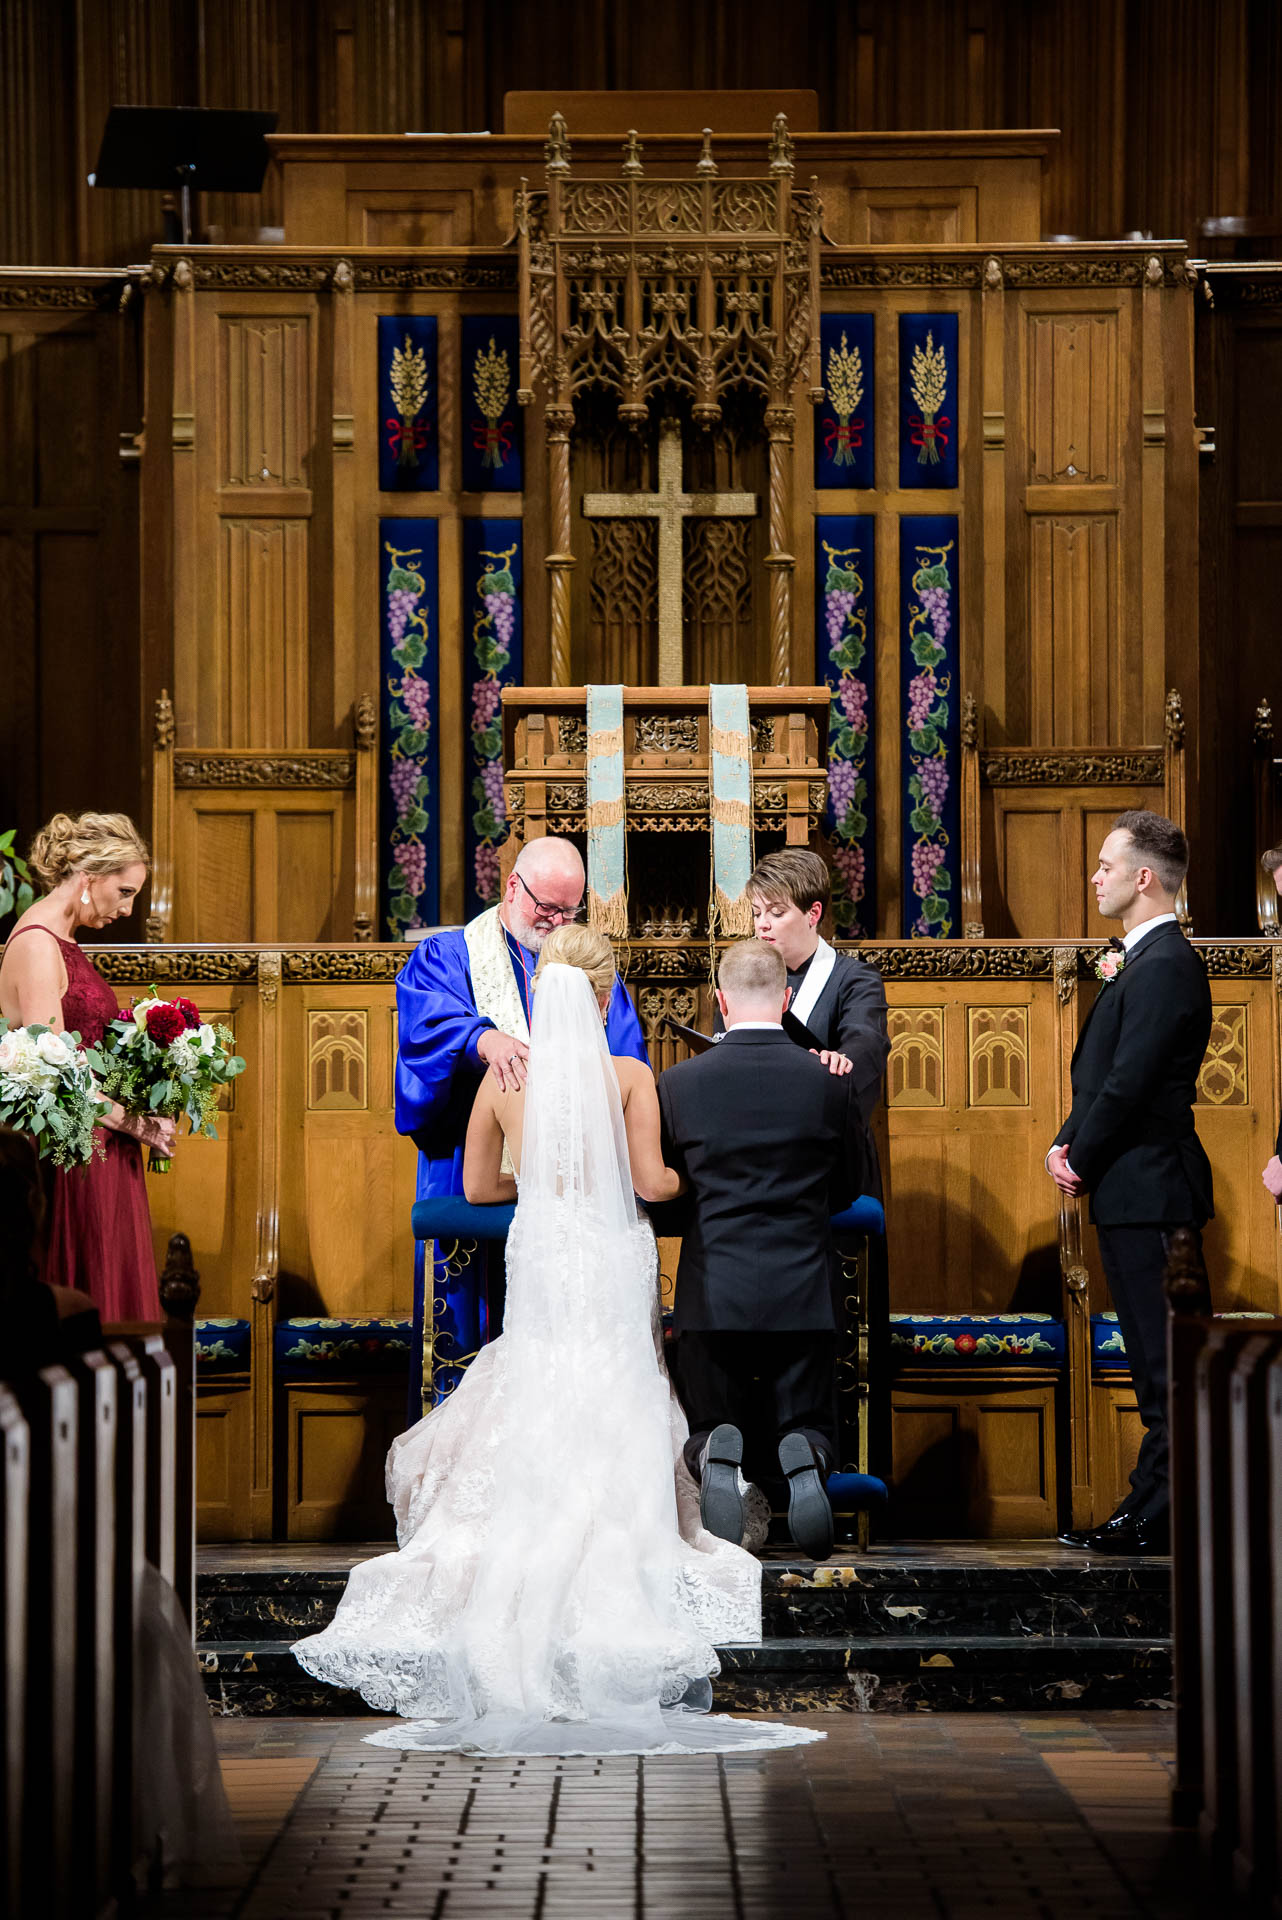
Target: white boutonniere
{"type": "Point", "coordinates": [1109, 965]}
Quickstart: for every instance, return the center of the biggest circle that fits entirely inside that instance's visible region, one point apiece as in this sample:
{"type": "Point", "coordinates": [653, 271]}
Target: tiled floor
{"type": "Point", "coordinates": [889, 1818]}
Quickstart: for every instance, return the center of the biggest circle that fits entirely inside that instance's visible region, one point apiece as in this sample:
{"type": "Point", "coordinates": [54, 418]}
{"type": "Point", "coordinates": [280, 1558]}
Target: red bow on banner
{"type": "Point", "coordinates": [843, 435]}
{"type": "Point", "coordinates": [926, 432]}
{"type": "Point", "coordinates": [494, 442]}
{"type": "Point", "coordinates": [406, 438]}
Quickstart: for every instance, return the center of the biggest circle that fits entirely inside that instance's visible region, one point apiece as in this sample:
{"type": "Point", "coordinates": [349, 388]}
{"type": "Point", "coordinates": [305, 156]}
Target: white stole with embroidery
{"type": "Point", "coordinates": [817, 977]}
{"type": "Point", "coordinates": [494, 985]}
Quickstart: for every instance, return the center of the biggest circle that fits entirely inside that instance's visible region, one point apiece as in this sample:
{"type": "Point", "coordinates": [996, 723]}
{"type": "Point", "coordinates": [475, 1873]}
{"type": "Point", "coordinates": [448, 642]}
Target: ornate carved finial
{"type": "Point", "coordinates": [163, 725]}
{"type": "Point", "coordinates": [1153, 270]}
{"type": "Point", "coordinates": [632, 167]}
{"type": "Point", "coordinates": [268, 978]}
{"type": "Point", "coordinates": [179, 1280]}
{"type": "Point", "coordinates": [780, 145]}
{"type": "Point", "coordinates": [366, 722]}
{"type": "Point", "coordinates": [1186, 1284]}
{"type": "Point", "coordinates": [1174, 719]}
{"type": "Point", "coordinates": [993, 273]}
{"type": "Point", "coordinates": [705, 164]}
{"type": "Point", "coordinates": [970, 723]}
{"type": "Point", "coordinates": [182, 275]}
{"type": "Point", "coordinates": [1065, 967]}
{"type": "Point", "coordinates": [154, 932]}
{"type": "Point", "coordinates": [343, 277]}
{"type": "Point", "coordinates": [556, 150]}
{"type": "Point", "coordinates": [1264, 723]}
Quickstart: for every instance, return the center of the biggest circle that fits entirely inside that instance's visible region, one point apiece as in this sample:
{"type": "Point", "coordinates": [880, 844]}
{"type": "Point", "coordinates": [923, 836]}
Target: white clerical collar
{"type": "Point", "coordinates": [1145, 928]}
{"type": "Point", "coordinates": [756, 1026]}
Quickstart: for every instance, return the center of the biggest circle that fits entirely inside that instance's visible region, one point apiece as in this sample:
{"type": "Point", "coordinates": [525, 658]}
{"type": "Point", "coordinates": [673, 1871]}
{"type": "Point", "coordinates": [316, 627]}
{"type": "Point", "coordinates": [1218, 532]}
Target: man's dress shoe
{"type": "Point", "coordinates": [1090, 1536]}
{"type": "Point", "coordinates": [1148, 1535]}
{"type": "Point", "coordinates": [720, 1505]}
{"type": "Point", "coordinates": [809, 1514]}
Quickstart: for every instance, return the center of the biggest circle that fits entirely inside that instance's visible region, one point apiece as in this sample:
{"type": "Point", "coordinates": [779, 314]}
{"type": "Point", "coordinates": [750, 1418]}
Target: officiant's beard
{"type": "Point", "coordinates": [528, 932]}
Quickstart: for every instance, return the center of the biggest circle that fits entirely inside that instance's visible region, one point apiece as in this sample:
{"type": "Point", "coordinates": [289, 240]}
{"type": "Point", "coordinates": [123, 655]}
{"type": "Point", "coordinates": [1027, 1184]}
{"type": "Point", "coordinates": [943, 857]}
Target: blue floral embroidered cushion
{"type": "Point", "coordinates": [1108, 1349]}
{"type": "Point", "coordinates": [222, 1346]}
{"type": "Point", "coordinates": [362, 1344]}
{"type": "Point", "coordinates": [977, 1339]}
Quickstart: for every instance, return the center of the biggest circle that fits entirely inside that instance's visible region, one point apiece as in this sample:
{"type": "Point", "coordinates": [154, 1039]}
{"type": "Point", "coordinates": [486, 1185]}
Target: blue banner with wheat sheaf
{"type": "Point", "coordinates": [929, 761]}
{"type": "Point", "coordinates": [492, 447]}
{"type": "Point", "coordinates": [844, 661]}
{"type": "Point", "coordinates": [844, 449]}
{"type": "Point", "coordinates": [408, 423]}
{"type": "Point", "coordinates": [491, 661]}
{"type": "Point", "coordinates": [409, 783]}
{"type": "Point", "coordinates": [928, 389]}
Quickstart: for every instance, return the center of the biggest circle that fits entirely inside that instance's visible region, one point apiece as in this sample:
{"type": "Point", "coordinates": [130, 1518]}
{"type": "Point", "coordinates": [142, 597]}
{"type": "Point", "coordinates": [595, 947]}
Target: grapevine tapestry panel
{"type": "Point", "coordinates": [408, 428]}
{"type": "Point", "coordinates": [491, 418]}
{"type": "Point", "coordinates": [928, 399]}
{"type": "Point", "coordinates": [492, 661]}
{"type": "Point", "coordinates": [844, 423]}
{"type": "Point", "coordinates": [844, 549]}
{"type": "Point", "coordinates": [929, 759]}
{"type": "Point", "coordinates": [409, 826]}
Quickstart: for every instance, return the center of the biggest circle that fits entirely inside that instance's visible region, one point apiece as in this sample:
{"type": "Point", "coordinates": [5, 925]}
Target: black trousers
{"type": "Point", "coordinates": [1135, 1265]}
{"type": "Point", "coordinates": [766, 1384]}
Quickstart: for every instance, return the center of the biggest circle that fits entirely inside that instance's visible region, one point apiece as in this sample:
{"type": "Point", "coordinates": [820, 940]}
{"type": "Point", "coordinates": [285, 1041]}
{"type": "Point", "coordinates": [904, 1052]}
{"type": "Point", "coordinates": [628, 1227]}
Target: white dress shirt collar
{"type": "Point", "coordinates": [1146, 927]}
{"type": "Point", "coordinates": [756, 1026]}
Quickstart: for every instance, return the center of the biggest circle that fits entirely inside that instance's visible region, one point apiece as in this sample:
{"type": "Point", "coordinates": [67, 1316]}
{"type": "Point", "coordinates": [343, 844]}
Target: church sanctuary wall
{"type": "Point", "coordinates": [301, 1208]}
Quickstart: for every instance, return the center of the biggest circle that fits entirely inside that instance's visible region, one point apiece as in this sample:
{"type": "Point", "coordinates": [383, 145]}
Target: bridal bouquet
{"type": "Point", "coordinates": [48, 1089]}
{"type": "Point", "coordinates": [159, 1057]}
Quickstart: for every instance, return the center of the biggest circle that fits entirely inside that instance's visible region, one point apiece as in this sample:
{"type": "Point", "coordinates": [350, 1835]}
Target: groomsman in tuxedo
{"type": "Point", "coordinates": [769, 1141]}
{"type": "Point", "coordinates": [1130, 1142]}
{"type": "Point", "coordinates": [840, 999]}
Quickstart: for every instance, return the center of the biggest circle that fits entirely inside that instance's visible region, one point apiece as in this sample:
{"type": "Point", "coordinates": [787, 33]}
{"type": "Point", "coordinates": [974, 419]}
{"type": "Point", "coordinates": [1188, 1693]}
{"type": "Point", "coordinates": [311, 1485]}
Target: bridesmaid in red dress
{"type": "Point", "coordinates": [99, 1236]}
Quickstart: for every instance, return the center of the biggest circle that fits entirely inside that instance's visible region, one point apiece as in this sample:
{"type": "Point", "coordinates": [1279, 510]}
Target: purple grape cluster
{"type": "Point", "coordinates": [492, 776]}
{"type": "Point", "coordinates": [400, 605]}
{"type": "Point", "coordinates": [841, 788]}
{"type": "Point", "coordinates": [933, 775]}
{"type": "Point", "coordinates": [486, 869]}
{"type": "Point", "coordinates": [927, 859]}
{"type": "Point", "coordinates": [417, 695]}
{"type": "Point", "coordinates": [921, 698]}
{"type": "Point", "coordinates": [853, 695]}
{"type": "Point", "coordinates": [486, 700]}
{"type": "Point", "coordinates": [403, 778]}
{"type": "Point", "coordinates": [935, 601]}
{"type": "Point", "coordinates": [411, 858]}
{"type": "Point", "coordinates": [501, 608]}
{"type": "Point", "coordinates": [849, 862]}
{"type": "Point", "coordinates": [836, 607]}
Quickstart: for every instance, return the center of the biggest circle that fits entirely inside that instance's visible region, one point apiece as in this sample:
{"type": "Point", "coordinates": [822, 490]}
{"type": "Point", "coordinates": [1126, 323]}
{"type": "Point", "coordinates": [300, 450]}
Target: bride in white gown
{"type": "Point", "coordinates": [554, 1591]}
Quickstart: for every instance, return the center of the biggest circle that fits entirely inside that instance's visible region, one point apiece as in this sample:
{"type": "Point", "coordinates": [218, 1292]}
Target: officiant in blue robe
{"type": "Point", "coordinates": [463, 1003]}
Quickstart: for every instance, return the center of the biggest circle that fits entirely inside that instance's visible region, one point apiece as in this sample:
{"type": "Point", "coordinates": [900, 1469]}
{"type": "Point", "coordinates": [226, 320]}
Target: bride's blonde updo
{"type": "Point", "coordinates": [582, 947]}
{"type": "Point", "coordinates": [93, 843]}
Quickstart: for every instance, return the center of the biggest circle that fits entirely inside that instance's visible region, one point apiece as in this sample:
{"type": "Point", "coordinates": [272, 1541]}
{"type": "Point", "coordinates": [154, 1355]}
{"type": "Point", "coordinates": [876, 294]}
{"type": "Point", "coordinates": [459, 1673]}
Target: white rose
{"type": "Point", "coordinates": [9, 1053]}
{"type": "Point", "coordinates": [205, 1038]}
{"type": "Point", "coordinates": [53, 1050]}
{"type": "Point", "coordinates": [143, 1008]}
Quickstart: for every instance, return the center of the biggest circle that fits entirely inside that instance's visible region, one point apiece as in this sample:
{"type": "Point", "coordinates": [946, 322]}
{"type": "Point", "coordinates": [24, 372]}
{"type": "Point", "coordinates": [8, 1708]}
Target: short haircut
{"type": "Point", "coordinates": [750, 970]}
{"type": "Point", "coordinates": [1158, 843]}
{"type": "Point", "coordinates": [793, 873]}
{"type": "Point", "coordinates": [1271, 860]}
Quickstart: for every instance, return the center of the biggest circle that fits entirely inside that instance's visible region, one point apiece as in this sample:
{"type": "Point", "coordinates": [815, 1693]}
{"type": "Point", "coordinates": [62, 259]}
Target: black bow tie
{"type": "Point", "coordinates": [1118, 945]}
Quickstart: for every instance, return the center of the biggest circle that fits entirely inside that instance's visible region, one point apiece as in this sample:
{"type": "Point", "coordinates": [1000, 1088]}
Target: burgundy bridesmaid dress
{"type": "Point", "coordinates": [99, 1237]}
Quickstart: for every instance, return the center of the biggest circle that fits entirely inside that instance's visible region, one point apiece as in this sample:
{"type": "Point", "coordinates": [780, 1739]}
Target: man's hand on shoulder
{"type": "Point", "coordinates": [506, 1057]}
{"type": "Point", "coordinates": [836, 1063]}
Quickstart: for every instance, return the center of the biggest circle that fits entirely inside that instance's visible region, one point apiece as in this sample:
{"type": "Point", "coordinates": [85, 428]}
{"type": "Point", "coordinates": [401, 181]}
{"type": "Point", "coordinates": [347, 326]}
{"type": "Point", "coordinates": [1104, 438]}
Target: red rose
{"type": "Point", "coordinates": [164, 1024]}
{"type": "Point", "coordinates": [965, 1343]}
{"type": "Point", "coordinates": [189, 1012]}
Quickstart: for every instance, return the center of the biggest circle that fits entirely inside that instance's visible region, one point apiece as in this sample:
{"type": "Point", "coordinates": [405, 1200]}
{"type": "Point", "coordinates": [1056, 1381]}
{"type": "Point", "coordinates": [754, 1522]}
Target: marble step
{"type": "Point", "coordinates": [907, 1600]}
{"type": "Point", "coordinates": [875, 1673]}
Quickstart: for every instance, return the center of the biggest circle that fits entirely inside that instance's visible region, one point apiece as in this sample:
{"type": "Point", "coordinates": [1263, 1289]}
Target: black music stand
{"type": "Point", "coordinates": [193, 149]}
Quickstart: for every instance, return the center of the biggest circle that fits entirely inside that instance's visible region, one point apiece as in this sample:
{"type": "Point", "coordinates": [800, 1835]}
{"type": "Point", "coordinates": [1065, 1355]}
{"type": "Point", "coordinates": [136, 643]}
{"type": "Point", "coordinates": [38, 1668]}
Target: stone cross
{"type": "Point", "coordinates": [669, 506]}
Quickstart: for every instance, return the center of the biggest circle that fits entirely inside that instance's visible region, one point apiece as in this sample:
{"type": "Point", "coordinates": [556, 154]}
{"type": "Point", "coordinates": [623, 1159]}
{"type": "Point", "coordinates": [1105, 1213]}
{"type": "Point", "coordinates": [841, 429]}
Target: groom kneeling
{"type": "Point", "coordinates": [763, 1133]}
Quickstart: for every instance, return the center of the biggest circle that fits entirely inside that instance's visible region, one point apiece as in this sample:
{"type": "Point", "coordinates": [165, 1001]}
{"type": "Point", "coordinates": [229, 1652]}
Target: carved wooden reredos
{"type": "Point", "coordinates": [670, 316]}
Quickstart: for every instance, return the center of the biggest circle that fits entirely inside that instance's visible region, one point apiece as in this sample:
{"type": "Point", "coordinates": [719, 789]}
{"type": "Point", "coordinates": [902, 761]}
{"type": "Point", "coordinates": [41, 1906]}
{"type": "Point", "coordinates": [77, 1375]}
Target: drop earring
{"type": "Point", "coordinates": [84, 897]}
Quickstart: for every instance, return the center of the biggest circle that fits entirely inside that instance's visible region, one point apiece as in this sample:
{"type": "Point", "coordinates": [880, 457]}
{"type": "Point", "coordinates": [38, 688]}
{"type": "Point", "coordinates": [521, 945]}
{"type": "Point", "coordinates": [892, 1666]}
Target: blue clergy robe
{"type": "Point", "coordinates": [438, 1071]}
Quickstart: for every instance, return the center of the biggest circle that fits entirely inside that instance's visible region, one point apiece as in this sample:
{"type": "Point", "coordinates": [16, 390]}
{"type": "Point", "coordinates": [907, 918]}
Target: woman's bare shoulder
{"type": "Point", "coordinates": [630, 1072]}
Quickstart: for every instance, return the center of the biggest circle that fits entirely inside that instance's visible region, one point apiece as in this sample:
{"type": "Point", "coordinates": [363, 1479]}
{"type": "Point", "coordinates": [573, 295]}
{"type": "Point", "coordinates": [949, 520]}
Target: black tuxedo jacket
{"type": "Point", "coordinates": [766, 1137]}
{"type": "Point", "coordinates": [850, 1017]}
{"type": "Point", "coordinates": [1130, 1136]}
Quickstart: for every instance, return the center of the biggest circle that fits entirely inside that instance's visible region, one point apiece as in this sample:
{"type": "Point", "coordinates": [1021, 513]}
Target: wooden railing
{"type": "Point", "coordinates": [98, 1480]}
{"type": "Point", "coordinates": [1226, 1478]}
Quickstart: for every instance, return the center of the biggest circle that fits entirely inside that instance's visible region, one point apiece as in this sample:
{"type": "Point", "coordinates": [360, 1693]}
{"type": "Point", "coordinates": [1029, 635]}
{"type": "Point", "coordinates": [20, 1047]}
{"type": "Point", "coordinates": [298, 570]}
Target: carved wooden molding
{"type": "Point", "coordinates": [447, 276]}
{"type": "Point", "coordinates": [667, 733]}
{"type": "Point", "coordinates": [1063, 767]}
{"type": "Point", "coordinates": [174, 966]}
{"type": "Point", "coordinates": [650, 797]}
{"type": "Point", "coordinates": [33, 294]}
{"type": "Point", "coordinates": [341, 964]}
{"type": "Point", "coordinates": [1054, 268]}
{"type": "Point", "coordinates": [324, 770]}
